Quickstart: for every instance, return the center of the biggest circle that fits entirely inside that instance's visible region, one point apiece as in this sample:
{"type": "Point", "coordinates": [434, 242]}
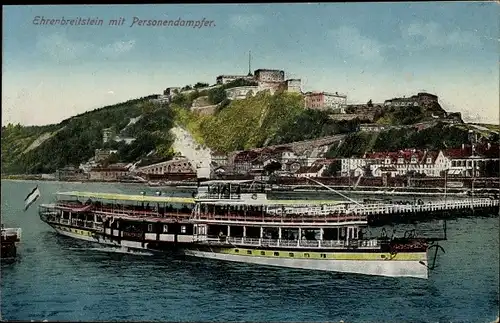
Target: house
{"type": "Point", "coordinates": [108, 174]}
{"type": "Point", "coordinates": [242, 162]}
{"type": "Point", "coordinates": [349, 165]}
{"type": "Point", "coordinates": [403, 161]}
{"type": "Point", "coordinates": [372, 127]}
{"type": "Point", "coordinates": [310, 171]}
{"type": "Point", "coordinates": [325, 101]}
{"type": "Point", "coordinates": [471, 161]}
{"type": "Point", "coordinates": [293, 85]}
{"type": "Point", "coordinates": [70, 174]}
{"type": "Point", "coordinates": [102, 154]}
{"type": "Point", "coordinates": [219, 159]}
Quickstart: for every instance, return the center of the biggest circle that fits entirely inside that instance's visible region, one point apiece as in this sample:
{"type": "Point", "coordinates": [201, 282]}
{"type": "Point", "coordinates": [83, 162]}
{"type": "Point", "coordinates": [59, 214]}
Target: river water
{"type": "Point", "coordinates": [59, 278]}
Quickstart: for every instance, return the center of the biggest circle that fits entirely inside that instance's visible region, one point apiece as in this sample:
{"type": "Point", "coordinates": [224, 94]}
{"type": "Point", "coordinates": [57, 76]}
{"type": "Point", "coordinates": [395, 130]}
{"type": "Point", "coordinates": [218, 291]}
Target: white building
{"type": "Point", "coordinates": [311, 171]}
{"type": "Point", "coordinates": [354, 166]}
{"type": "Point", "coordinates": [107, 134]}
{"type": "Point", "coordinates": [267, 75]}
{"type": "Point", "coordinates": [335, 101]}
{"type": "Point", "coordinates": [161, 98]}
{"type": "Point", "coordinates": [325, 101]}
{"type": "Point", "coordinates": [293, 85]}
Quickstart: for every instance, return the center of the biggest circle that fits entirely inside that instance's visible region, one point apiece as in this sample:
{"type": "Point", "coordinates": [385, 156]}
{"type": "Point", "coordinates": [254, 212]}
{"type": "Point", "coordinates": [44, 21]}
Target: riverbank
{"type": "Point", "coordinates": [359, 190]}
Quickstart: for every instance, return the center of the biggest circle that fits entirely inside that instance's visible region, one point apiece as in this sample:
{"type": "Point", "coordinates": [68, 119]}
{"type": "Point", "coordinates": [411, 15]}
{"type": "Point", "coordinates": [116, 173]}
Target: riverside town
{"type": "Point", "coordinates": [231, 211]}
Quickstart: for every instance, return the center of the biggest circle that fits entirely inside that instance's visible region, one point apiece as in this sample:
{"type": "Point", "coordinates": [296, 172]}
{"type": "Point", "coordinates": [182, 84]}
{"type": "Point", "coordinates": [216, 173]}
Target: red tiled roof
{"type": "Point", "coordinates": [431, 154]}
{"type": "Point", "coordinates": [482, 150]}
{"type": "Point", "coordinates": [458, 152]}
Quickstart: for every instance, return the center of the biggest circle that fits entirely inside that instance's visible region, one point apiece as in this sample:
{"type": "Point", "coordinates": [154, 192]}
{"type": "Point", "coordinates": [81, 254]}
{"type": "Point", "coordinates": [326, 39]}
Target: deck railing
{"type": "Point", "coordinates": [373, 243]}
{"type": "Point", "coordinates": [232, 217]}
{"type": "Point", "coordinates": [373, 209]}
{"type": "Point", "coordinates": [327, 214]}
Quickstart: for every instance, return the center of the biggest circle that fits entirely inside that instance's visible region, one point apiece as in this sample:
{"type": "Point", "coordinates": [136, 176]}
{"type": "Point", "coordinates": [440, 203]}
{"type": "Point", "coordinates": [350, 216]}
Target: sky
{"type": "Point", "coordinates": [367, 51]}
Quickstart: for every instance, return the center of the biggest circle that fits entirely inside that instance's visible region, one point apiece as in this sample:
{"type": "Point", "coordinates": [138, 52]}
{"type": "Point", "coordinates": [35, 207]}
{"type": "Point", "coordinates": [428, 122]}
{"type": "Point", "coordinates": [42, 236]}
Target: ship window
{"type": "Point", "coordinates": [150, 227]}
{"type": "Point", "coordinates": [290, 254]}
{"type": "Point", "coordinates": [236, 250]}
{"type": "Point", "coordinates": [306, 255]}
{"type": "Point", "coordinates": [249, 252]}
{"type": "Point", "coordinates": [323, 255]}
{"type": "Point", "coordinates": [165, 228]}
{"type": "Point", "coordinates": [263, 253]}
{"type": "Point", "coordinates": [183, 229]}
{"type": "Point", "coordinates": [276, 253]}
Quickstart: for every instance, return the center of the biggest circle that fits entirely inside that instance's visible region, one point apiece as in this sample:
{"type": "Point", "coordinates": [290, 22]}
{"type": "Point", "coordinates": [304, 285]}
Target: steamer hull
{"type": "Point", "coordinates": [404, 265]}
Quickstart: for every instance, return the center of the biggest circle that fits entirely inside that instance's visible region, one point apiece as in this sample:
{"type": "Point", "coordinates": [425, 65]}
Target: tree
{"type": "Point", "coordinates": [181, 100]}
{"type": "Point", "coordinates": [272, 167]}
{"type": "Point", "coordinates": [370, 103]}
{"type": "Point", "coordinates": [217, 95]}
{"type": "Point", "coordinates": [200, 85]}
{"type": "Point", "coordinates": [112, 159]}
{"type": "Point", "coordinates": [332, 169]}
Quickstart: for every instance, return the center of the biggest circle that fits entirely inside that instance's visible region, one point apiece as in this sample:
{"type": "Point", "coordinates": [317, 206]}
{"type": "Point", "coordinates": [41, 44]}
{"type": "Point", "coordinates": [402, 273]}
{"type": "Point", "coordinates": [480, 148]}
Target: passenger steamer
{"type": "Point", "coordinates": [226, 221]}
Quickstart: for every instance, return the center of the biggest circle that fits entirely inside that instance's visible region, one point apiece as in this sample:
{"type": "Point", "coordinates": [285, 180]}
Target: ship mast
{"type": "Point", "coordinates": [249, 63]}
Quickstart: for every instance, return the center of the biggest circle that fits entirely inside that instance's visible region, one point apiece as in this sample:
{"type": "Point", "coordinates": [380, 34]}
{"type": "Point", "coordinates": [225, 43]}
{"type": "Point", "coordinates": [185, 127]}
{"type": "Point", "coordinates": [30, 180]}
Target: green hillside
{"type": "Point", "coordinates": [242, 124]}
{"type": "Point", "coordinates": [256, 121]}
{"type": "Point", "coordinates": [441, 136]}
{"type": "Point", "coordinates": [79, 136]}
{"type": "Point", "coordinates": [259, 121]}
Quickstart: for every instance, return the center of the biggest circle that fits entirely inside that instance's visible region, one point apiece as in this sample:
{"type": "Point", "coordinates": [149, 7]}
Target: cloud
{"type": "Point", "coordinates": [111, 92]}
{"type": "Point", "coordinates": [247, 22]}
{"type": "Point", "coordinates": [60, 48]}
{"type": "Point", "coordinates": [350, 41]}
{"type": "Point", "coordinates": [117, 48]}
{"type": "Point", "coordinates": [431, 34]}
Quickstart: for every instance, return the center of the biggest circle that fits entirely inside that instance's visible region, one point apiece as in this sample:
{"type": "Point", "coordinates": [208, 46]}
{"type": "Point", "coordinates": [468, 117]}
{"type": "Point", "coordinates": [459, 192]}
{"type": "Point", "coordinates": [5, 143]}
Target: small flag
{"type": "Point", "coordinates": [31, 198]}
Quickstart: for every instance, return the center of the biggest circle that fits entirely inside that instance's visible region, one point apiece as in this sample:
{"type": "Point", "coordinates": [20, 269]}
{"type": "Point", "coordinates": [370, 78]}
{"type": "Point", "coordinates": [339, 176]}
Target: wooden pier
{"type": "Point", "coordinates": [387, 213]}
